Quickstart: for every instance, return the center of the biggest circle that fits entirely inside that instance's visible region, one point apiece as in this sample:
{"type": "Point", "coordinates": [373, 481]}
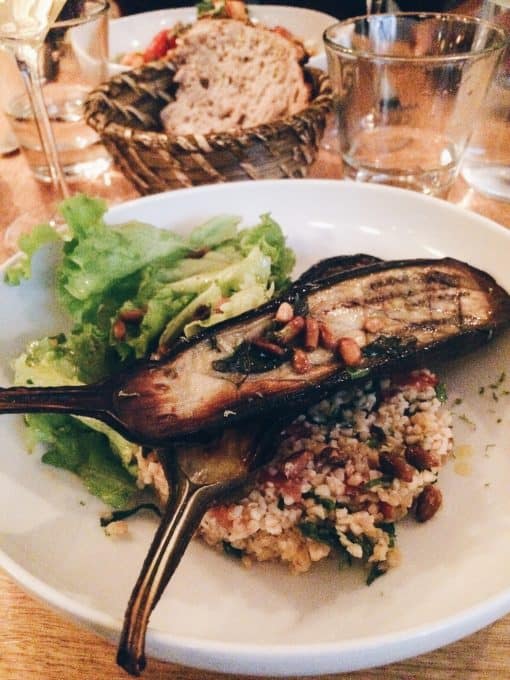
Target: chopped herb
{"type": "Point", "coordinates": [384, 480]}
{"type": "Point", "coordinates": [441, 393]}
{"type": "Point", "coordinates": [117, 515]}
{"type": "Point", "coordinates": [357, 372]}
{"type": "Point", "coordinates": [229, 549]}
{"type": "Point", "coordinates": [481, 390]}
{"type": "Point", "coordinates": [248, 358]}
{"type": "Point", "coordinates": [389, 528]}
{"type": "Point", "coordinates": [390, 346]}
{"type": "Point", "coordinates": [320, 531]}
{"type": "Point", "coordinates": [467, 420]}
{"type": "Point", "coordinates": [377, 437]}
{"type": "Point", "coordinates": [376, 570]}
{"type": "Point", "coordinates": [366, 544]}
{"type": "Point", "coordinates": [345, 557]}
{"type": "Point", "coordinates": [327, 503]}
{"type": "Point", "coordinates": [499, 381]}
{"type": "Point", "coordinates": [205, 7]}
{"type": "Point", "coordinates": [300, 305]}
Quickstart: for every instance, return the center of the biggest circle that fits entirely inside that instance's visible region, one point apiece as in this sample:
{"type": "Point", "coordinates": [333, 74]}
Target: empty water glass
{"type": "Point", "coordinates": [486, 166]}
{"type": "Point", "coordinates": [407, 91]}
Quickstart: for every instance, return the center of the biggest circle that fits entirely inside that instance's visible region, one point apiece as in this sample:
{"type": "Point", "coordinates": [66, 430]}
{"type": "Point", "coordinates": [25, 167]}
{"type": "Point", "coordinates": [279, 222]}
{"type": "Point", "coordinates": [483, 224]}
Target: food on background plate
{"type": "Point", "coordinates": [233, 75]}
{"type": "Point", "coordinates": [165, 41]}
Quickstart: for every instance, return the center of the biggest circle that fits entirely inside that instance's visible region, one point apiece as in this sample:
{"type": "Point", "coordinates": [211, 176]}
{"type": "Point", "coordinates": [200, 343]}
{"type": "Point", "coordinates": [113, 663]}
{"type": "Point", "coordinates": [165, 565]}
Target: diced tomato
{"type": "Point", "coordinates": [159, 46]}
{"type": "Point", "coordinates": [281, 30]}
{"type": "Point", "coordinates": [294, 466]}
{"type": "Point", "coordinates": [282, 485]}
{"type": "Point", "coordinates": [221, 515]}
{"type": "Point", "coordinates": [418, 379]}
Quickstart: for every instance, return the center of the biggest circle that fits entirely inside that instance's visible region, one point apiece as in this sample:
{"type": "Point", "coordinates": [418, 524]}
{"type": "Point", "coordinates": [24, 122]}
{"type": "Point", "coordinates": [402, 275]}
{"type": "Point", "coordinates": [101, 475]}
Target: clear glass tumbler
{"type": "Point", "coordinates": [72, 60]}
{"type": "Point", "coordinates": [486, 165]}
{"type": "Point", "coordinates": [408, 88]}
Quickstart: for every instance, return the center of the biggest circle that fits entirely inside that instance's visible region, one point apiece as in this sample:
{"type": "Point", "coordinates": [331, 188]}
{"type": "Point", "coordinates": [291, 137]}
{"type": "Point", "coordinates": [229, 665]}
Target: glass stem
{"type": "Point", "coordinates": [27, 60]}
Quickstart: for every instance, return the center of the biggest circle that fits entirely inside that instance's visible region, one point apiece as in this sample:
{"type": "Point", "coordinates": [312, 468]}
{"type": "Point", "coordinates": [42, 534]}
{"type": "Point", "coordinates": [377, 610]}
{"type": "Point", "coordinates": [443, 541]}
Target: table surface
{"type": "Point", "coordinates": [36, 643]}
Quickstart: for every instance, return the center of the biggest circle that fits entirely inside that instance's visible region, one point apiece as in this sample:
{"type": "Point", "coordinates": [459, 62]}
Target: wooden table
{"type": "Point", "coordinates": [36, 644]}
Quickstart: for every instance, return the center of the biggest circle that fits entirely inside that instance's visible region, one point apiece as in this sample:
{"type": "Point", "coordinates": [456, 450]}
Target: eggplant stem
{"type": "Point", "coordinates": [77, 399]}
{"type": "Point", "coordinates": [185, 509]}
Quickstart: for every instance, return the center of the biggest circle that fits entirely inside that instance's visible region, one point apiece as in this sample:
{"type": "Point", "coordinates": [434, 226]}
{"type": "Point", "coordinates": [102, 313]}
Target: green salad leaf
{"type": "Point", "coordinates": [179, 285]}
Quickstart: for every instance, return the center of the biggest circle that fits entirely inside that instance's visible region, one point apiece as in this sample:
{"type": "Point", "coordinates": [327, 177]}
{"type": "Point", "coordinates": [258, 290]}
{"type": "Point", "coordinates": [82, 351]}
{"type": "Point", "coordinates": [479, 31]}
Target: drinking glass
{"type": "Point", "coordinates": [23, 28]}
{"type": "Point", "coordinates": [72, 60]}
{"type": "Point", "coordinates": [407, 90]}
{"type": "Point", "coordinates": [486, 165]}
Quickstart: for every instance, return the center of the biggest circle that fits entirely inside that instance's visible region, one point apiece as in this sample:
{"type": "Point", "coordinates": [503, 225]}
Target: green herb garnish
{"type": "Point", "coordinates": [384, 480]}
{"type": "Point", "coordinates": [377, 437]}
{"type": "Point", "coordinates": [441, 393]}
{"type": "Point", "coordinates": [366, 544]}
{"type": "Point", "coordinates": [376, 570]}
{"type": "Point", "coordinates": [327, 503]}
{"type": "Point", "coordinates": [117, 515]}
{"type": "Point", "coordinates": [389, 528]}
{"type": "Point", "coordinates": [388, 346]}
{"type": "Point", "coordinates": [229, 549]}
{"type": "Point", "coordinates": [356, 373]}
{"type": "Point", "coordinates": [248, 358]}
{"type": "Point", "coordinates": [321, 532]}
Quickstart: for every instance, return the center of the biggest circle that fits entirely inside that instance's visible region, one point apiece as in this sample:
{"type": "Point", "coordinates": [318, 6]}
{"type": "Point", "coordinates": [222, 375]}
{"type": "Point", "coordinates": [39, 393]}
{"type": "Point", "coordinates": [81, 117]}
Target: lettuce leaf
{"type": "Point", "coordinates": [29, 244]}
{"type": "Point", "coordinates": [72, 446]}
{"type": "Point", "coordinates": [181, 284]}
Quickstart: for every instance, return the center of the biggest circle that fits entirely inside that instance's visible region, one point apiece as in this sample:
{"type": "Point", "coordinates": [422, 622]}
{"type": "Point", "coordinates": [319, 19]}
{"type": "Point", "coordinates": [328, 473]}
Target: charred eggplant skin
{"type": "Point", "coordinates": [331, 266]}
{"type": "Point", "coordinates": [313, 282]}
{"type": "Point", "coordinates": [404, 356]}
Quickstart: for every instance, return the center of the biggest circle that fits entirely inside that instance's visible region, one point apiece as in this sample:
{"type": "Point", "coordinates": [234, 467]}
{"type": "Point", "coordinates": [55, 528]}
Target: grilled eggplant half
{"type": "Point", "coordinates": [326, 332]}
{"type": "Point", "coordinates": [398, 314]}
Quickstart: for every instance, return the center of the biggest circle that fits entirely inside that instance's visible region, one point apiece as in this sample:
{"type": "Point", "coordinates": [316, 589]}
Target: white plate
{"type": "Point", "coordinates": [455, 576]}
{"type": "Point", "coordinates": [134, 32]}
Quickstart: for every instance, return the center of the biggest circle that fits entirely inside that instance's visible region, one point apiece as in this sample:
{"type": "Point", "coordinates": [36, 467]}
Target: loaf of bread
{"type": "Point", "coordinates": [233, 75]}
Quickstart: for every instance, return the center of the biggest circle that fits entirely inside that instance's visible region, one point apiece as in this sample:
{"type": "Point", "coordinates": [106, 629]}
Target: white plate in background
{"type": "Point", "coordinates": [134, 32]}
{"type": "Point", "coordinates": [455, 573]}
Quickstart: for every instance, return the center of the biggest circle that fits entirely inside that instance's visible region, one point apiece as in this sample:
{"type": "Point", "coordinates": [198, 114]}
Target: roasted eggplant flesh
{"type": "Point", "coordinates": [373, 318]}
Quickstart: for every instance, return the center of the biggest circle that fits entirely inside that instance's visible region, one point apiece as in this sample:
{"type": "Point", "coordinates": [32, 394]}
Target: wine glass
{"type": "Point", "coordinates": [23, 27]}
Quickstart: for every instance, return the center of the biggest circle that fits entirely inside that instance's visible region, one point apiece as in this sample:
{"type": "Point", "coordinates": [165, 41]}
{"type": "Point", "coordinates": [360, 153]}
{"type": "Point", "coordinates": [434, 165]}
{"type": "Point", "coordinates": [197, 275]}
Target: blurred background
{"type": "Point", "coordinates": [337, 8]}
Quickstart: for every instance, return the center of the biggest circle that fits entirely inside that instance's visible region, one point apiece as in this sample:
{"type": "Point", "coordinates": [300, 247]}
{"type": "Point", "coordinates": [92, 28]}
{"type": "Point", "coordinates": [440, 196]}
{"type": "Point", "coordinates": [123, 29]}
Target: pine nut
{"type": "Point", "coordinates": [311, 334]}
{"type": "Point", "coordinates": [300, 361]}
{"type": "Point", "coordinates": [326, 337]}
{"type": "Point", "coordinates": [132, 315]}
{"type": "Point", "coordinates": [350, 351]}
{"type": "Point", "coordinates": [269, 347]}
{"type": "Point", "coordinates": [119, 330]}
{"type": "Point", "coordinates": [292, 329]}
{"type": "Point", "coordinates": [285, 313]}
{"type": "Point", "coordinates": [373, 324]}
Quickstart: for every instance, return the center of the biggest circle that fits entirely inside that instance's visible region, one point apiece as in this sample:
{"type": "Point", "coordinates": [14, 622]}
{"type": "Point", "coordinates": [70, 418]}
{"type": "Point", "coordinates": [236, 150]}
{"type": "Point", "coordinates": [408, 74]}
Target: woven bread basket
{"type": "Point", "coordinates": [125, 111]}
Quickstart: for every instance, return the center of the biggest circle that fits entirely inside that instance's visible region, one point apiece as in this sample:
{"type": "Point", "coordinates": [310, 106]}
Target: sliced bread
{"type": "Point", "coordinates": [233, 75]}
